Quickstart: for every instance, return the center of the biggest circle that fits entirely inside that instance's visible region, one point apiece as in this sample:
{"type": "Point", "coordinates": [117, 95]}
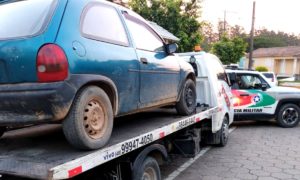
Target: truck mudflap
{"type": "Point", "coordinates": [126, 137]}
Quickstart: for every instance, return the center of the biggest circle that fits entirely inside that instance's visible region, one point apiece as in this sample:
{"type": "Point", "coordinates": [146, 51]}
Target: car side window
{"type": "Point", "coordinates": [248, 81]}
{"type": "Point", "coordinates": [143, 36]}
{"type": "Point", "coordinates": [102, 22]}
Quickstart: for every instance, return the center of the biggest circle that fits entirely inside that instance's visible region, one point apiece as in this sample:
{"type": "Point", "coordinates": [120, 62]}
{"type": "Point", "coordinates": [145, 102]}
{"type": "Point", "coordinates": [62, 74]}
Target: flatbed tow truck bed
{"type": "Point", "coordinates": [42, 152]}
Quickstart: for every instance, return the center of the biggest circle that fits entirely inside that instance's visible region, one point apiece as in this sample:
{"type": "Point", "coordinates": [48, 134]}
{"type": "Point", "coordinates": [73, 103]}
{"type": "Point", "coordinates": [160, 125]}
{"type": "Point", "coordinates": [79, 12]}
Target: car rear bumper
{"type": "Point", "coordinates": [33, 103]}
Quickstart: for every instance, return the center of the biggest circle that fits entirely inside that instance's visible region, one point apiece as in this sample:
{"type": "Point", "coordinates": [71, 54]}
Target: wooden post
{"type": "Point", "coordinates": [250, 64]}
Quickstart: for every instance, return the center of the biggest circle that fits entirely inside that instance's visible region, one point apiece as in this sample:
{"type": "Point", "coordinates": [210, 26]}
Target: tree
{"type": "Point", "coordinates": [261, 69]}
{"type": "Point", "coordinates": [209, 36]}
{"type": "Point", "coordinates": [237, 31]}
{"type": "Point", "coordinates": [118, 2]}
{"type": "Point", "coordinates": [177, 16]}
{"type": "Point", "coordinates": [230, 50]}
{"type": "Point", "coordinates": [266, 39]}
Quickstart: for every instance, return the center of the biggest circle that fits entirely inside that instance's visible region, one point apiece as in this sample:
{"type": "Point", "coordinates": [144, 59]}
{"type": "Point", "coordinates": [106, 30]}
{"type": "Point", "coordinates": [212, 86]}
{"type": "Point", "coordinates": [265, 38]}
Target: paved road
{"type": "Point", "coordinates": [256, 150]}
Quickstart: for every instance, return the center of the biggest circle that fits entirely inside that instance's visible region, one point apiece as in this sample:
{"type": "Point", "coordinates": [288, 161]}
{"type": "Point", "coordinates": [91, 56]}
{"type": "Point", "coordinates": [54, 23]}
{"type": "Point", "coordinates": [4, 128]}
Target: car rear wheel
{"type": "Point", "coordinates": [2, 130]}
{"type": "Point", "coordinates": [288, 116]}
{"type": "Point", "coordinates": [90, 121]}
{"type": "Point", "coordinates": [187, 103]}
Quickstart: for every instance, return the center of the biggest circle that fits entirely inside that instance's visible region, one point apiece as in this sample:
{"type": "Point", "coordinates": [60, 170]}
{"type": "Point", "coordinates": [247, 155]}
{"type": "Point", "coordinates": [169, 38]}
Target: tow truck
{"type": "Point", "coordinates": [139, 144]}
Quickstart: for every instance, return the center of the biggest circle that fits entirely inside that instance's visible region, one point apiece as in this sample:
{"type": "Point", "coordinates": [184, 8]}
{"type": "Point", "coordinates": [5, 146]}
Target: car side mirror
{"type": "Point", "coordinates": [264, 86]}
{"type": "Point", "coordinates": [171, 48]}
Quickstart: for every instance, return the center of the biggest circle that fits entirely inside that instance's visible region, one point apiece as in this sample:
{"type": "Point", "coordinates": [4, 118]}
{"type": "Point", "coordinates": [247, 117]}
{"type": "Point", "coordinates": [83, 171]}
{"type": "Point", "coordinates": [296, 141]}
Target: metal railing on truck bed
{"type": "Point", "coordinates": [42, 152]}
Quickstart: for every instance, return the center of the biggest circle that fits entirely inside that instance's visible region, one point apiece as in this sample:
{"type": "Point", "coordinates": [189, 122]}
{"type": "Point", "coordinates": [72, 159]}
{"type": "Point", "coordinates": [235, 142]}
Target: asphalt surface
{"type": "Point", "coordinates": [256, 150]}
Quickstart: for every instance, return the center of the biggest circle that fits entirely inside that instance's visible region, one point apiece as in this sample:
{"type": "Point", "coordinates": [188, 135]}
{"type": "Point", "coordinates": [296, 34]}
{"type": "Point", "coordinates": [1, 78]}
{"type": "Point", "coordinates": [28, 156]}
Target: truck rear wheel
{"type": "Point", "coordinates": [90, 120]}
{"type": "Point", "coordinates": [2, 130]}
{"type": "Point", "coordinates": [224, 132]}
{"type": "Point", "coordinates": [288, 116]}
{"type": "Point", "coordinates": [149, 170]}
{"type": "Point", "coordinates": [187, 103]}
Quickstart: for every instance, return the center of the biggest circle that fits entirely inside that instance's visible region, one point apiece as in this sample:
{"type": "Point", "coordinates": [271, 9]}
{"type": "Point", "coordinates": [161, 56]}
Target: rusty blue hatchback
{"type": "Point", "coordinates": [83, 63]}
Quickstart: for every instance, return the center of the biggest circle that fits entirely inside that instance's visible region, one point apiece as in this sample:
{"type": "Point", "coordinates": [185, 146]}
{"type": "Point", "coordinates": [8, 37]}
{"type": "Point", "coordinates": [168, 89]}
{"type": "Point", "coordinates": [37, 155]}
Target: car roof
{"type": "Point", "coordinates": [268, 72]}
{"type": "Point", "coordinates": [241, 71]}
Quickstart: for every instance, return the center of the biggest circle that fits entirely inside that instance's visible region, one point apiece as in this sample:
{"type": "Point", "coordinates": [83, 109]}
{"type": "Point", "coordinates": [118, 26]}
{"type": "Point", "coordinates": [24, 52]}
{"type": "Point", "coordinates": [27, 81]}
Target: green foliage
{"type": "Point", "coordinates": [210, 36]}
{"type": "Point", "coordinates": [230, 50]}
{"type": "Point", "coordinates": [265, 39]}
{"type": "Point", "coordinates": [261, 69]}
{"type": "Point", "coordinates": [177, 16]}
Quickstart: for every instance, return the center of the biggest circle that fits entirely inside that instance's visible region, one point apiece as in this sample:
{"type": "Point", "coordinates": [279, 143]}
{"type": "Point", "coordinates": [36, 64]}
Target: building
{"type": "Point", "coordinates": [281, 60]}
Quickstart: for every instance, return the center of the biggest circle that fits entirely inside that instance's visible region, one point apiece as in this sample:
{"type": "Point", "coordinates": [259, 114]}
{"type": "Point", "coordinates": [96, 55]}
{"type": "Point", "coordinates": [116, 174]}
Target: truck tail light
{"type": "Point", "coordinates": [51, 64]}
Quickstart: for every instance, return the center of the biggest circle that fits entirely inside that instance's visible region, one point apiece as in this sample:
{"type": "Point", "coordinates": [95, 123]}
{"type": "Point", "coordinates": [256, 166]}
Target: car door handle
{"type": "Point", "coordinates": [244, 95]}
{"type": "Point", "coordinates": [144, 60]}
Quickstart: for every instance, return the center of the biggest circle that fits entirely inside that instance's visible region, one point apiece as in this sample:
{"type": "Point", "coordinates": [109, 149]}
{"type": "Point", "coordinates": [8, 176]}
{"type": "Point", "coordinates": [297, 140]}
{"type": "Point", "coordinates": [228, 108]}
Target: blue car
{"type": "Point", "coordinates": [82, 63]}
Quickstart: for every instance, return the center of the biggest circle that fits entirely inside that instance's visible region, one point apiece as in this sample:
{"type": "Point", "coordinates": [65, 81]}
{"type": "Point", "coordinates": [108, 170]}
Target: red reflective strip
{"type": "Point", "coordinates": [75, 171]}
{"type": "Point", "coordinates": [198, 119]}
{"type": "Point", "coordinates": [162, 134]}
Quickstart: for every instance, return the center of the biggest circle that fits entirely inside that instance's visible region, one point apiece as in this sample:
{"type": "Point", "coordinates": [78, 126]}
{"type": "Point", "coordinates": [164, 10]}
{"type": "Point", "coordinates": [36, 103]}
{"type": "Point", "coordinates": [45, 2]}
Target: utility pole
{"type": "Point", "coordinates": [224, 28]}
{"type": "Point", "coordinates": [250, 65]}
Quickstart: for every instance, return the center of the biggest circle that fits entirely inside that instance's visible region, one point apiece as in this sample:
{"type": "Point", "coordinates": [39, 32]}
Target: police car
{"type": "Point", "coordinates": [255, 98]}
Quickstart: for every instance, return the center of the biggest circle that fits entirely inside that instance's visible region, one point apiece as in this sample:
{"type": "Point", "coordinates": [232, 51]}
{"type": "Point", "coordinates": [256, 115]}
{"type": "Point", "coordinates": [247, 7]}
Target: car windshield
{"type": "Point", "coordinates": [24, 18]}
{"type": "Point", "coordinates": [268, 75]}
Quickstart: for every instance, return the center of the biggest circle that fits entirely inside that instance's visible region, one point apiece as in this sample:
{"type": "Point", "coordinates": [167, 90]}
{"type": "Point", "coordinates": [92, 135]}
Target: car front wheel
{"type": "Point", "coordinates": [187, 103]}
{"type": "Point", "coordinates": [288, 116]}
{"type": "Point", "coordinates": [90, 121]}
{"type": "Point", "coordinates": [224, 133]}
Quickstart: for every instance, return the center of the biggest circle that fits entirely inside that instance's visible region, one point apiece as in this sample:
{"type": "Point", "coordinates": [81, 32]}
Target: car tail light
{"type": "Point", "coordinates": [51, 64]}
{"type": "Point", "coordinates": [272, 79]}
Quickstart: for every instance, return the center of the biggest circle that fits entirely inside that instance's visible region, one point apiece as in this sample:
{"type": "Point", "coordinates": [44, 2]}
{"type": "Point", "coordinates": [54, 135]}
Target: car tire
{"type": "Point", "coordinates": [148, 170]}
{"type": "Point", "coordinates": [224, 132]}
{"type": "Point", "coordinates": [2, 130]}
{"type": "Point", "coordinates": [288, 116]}
{"type": "Point", "coordinates": [187, 102]}
{"type": "Point", "coordinates": [90, 120]}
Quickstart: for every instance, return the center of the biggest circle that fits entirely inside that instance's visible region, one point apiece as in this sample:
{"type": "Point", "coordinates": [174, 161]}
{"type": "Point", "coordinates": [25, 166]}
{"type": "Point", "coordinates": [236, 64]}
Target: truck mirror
{"type": "Point", "coordinates": [192, 59]}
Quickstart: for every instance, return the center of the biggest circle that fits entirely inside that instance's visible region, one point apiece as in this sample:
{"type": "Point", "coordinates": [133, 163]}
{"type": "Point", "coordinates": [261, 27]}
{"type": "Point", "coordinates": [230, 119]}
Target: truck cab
{"type": "Point", "coordinates": [212, 87]}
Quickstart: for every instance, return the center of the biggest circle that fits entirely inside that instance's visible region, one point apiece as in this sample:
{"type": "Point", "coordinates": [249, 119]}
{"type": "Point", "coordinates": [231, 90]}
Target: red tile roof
{"type": "Point", "coordinates": [289, 51]}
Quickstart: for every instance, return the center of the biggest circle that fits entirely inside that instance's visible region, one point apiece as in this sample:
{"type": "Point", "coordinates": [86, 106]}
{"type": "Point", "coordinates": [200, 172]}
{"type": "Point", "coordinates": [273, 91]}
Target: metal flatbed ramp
{"type": "Point", "coordinates": [42, 152]}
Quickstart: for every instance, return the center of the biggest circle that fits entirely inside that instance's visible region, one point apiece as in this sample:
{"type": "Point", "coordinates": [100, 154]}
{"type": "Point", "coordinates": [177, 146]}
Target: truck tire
{"type": "Point", "coordinates": [149, 170]}
{"type": "Point", "coordinates": [187, 102]}
{"type": "Point", "coordinates": [2, 130]}
{"type": "Point", "coordinates": [288, 116]}
{"type": "Point", "coordinates": [224, 132]}
{"type": "Point", "coordinates": [90, 120]}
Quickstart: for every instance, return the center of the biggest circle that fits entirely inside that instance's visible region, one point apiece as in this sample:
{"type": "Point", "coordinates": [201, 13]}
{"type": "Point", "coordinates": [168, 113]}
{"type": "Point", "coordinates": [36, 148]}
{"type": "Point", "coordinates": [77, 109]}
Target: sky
{"type": "Point", "coordinates": [277, 15]}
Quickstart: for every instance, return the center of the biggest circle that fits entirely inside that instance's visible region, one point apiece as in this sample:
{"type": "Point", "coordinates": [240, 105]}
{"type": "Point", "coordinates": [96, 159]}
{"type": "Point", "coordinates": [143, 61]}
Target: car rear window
{"type": "Point", "coordinates": [24, 18]}
{"type": "Point", "coordinates": [268, 75]}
